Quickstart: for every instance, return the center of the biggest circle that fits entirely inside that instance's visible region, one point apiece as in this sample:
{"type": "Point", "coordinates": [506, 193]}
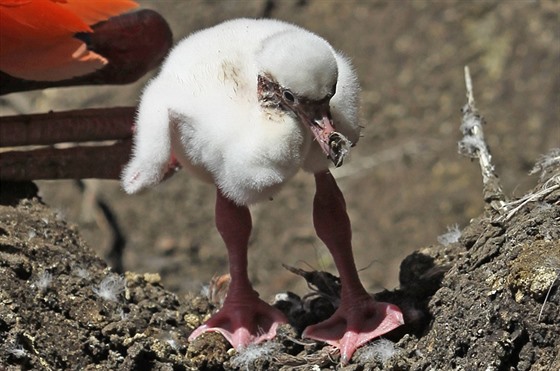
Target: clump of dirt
{"type": "Point", "coordinates": [487, 300]}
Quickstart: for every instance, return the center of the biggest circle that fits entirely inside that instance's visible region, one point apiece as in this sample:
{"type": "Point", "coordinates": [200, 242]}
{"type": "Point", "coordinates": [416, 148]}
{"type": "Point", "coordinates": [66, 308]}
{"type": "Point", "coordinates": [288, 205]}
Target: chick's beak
{"type": "Point", "coordinates": [334, 144]}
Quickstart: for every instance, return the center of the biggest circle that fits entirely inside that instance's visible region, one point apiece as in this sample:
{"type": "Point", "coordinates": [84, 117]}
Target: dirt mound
{"type": "Point", "coordinates": [488, 299]}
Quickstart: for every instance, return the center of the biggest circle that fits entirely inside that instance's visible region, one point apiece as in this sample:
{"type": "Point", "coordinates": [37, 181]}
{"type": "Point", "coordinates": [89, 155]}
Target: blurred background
{"type": "Point", "coordinates": [405, 184]}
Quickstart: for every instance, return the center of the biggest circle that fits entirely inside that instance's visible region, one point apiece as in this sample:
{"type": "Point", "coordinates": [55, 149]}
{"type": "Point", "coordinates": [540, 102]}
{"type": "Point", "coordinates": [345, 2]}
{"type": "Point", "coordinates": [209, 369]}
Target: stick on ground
{"type": "Point", "coordinates": [473, 145]}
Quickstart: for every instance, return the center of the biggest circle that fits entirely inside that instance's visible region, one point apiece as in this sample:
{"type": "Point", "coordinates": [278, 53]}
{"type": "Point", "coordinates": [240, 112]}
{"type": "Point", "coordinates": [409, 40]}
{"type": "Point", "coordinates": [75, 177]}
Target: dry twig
{"type": "Point", "coordinates": [473, 145]}
{"type": "Point", "coordinates": [548, 187]}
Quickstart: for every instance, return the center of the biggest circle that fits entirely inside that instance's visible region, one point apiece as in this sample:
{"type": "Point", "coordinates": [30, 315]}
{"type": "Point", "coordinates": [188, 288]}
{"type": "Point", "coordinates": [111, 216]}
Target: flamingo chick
{"type": "Point", "coordinates": [245, 105]}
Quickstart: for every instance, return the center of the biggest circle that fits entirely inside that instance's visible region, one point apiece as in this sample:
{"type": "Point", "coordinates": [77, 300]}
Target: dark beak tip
{"type": "Point", "coordinates": [337, 161]}
{"type": "Point", "coordinates": [338, 148]}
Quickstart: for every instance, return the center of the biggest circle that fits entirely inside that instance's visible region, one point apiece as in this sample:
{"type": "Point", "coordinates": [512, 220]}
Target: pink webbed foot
{"type": "Point", "coordinates": [354, 324]}
{"type": "Point", "coordinates": [242, 323]}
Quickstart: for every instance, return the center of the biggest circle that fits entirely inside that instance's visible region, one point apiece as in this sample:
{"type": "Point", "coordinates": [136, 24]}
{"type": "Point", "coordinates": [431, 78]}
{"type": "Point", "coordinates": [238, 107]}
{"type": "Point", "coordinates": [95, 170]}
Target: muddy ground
{"type": "Point", "coordinates": [404, 185]}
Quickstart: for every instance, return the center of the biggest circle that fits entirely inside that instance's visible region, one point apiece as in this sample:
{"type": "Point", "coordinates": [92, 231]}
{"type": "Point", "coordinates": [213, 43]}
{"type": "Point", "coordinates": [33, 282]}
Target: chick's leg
{"type": "Point", "coordinates": [359, 317]}
{"type": "Point", "coordinates": [244, 318]}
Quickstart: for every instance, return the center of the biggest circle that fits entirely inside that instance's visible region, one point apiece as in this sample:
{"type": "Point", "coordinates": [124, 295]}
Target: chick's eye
{"type": "Point", "coordinates": [289, 96]}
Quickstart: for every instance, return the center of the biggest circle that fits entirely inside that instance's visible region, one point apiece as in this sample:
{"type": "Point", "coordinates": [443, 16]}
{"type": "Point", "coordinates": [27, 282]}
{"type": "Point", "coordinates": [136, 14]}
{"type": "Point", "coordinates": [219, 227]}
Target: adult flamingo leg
{"type": "Point", "coordinates": [359, 317]}
{"type": "Point", "coordinates": [244, 318]}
